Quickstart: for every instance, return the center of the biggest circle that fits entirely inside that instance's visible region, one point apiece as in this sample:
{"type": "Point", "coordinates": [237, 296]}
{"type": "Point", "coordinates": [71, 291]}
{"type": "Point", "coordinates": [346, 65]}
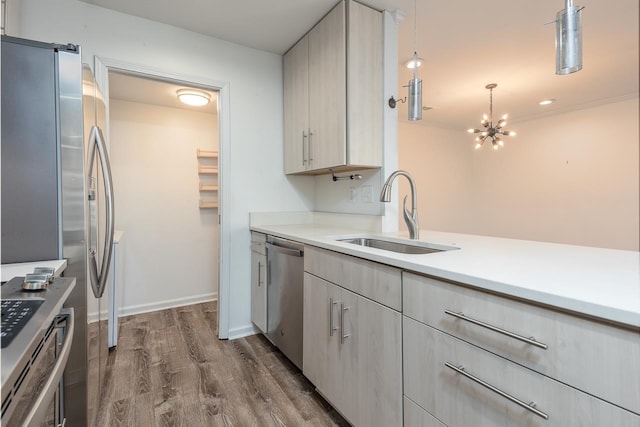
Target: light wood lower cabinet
{"type": "Point", "coordinates": [565, 347]}
{"type": "Point", "coordinates": [458, 400]}
{"type": "Point", "coordinates": [415, 416]}
{"type": "Point", "coordinates": [372, 280]}
{"type": "Point", "coordinates": [352, 353]}
{"type": "Point", "coordinates": [259, 281]}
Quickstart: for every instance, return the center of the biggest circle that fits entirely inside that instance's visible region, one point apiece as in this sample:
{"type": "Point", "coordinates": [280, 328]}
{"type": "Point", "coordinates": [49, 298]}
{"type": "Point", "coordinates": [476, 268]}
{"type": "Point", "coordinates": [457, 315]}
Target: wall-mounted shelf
{"type": "Point", "coordinates": [208, 204]}
{"type": "Point", "coordinates": [206, 154]}
{"type": "Point", "coordinates": [207, 169]}
{"type": "Point", "coordinates": [207, 165]}
{"type": "Point", "coordinates": [208, 187]}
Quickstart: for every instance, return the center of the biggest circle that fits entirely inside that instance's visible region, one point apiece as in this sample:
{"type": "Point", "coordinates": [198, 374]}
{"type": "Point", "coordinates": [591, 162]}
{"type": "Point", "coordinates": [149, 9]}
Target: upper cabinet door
{"type": "Point", "coordinates": [328, 91]}
{"type": "Point", "coordinates": [365, 106]}
{"type": "Point", "coordinates": [296, 107]}
{"type": "Point", "coordinates": [333, 95]}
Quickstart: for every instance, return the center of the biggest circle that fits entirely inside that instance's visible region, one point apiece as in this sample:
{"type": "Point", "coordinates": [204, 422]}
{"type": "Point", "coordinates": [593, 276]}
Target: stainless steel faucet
{"type": "Point", "coordinates": [410, 218]}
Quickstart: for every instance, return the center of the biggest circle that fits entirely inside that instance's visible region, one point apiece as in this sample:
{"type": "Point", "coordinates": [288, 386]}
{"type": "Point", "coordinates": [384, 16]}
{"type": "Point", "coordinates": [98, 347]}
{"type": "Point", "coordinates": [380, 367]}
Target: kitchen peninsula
{"type": "Point", "coordinates": [529, 319]}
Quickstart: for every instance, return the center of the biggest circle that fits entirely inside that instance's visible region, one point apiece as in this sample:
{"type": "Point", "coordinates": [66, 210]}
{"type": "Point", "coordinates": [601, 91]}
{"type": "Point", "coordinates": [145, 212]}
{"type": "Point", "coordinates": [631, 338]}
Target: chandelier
{"type": "Point", "coordinates": [489, 131]}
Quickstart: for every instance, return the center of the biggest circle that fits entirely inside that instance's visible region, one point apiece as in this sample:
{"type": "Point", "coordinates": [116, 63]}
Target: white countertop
{"type": "Point", "coordinates": [603, 283]}
{"type": "Point", "coordinates": [10, 271]}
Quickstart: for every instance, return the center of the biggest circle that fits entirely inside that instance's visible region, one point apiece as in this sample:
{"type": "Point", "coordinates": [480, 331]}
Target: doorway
{"type": "Point", "coordinates": [168, 166]}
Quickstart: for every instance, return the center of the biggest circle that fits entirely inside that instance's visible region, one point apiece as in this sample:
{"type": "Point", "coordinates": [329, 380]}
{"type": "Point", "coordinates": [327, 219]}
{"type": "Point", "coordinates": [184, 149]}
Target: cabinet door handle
{"type": "Point", "coordinates": [259, 271]}
{"type": "Point", "coordinates": [332, 328]}
{"type": "Point", "coordinates": [530, 340]}
{"type": "Point", "coordinates": [528, 406]}
{"type": "Point", "coordinates": [309, 149]}
{"type": "Point", "coordinates": [304, 140]}
{"type": "Point", "coordinates": [343, 336]}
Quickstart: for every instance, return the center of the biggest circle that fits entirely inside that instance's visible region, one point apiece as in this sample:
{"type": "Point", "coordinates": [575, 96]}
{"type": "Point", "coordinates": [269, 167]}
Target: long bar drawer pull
{"type": "Point", "coordinates": [528, 406]}
{"type": "Point", "coordinates": [530, 340]}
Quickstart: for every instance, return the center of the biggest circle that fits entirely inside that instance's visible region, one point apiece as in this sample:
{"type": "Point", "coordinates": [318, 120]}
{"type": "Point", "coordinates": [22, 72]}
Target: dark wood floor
{"type": "Point", "coordinates": [170, 369]}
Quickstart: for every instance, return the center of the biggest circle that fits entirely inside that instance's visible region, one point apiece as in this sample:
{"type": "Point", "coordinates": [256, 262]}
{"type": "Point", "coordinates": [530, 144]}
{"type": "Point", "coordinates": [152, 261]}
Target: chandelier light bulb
{"type": "Point", "coordinates": [478, 145]}
{"type": "Point", "coordinates": [471, 130]}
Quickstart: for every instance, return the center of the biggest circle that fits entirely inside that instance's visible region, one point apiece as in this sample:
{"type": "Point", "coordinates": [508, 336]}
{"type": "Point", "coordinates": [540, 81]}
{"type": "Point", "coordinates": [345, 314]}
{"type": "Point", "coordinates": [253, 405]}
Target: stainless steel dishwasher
{"type": "Point", "coordinates": [285, 260]}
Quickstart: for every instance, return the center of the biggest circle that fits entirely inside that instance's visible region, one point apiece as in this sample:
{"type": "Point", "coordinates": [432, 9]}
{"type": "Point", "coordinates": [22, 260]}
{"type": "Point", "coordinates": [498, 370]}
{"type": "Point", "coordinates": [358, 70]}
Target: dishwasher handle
{"type": "Point", "coordinates": [285, 250]}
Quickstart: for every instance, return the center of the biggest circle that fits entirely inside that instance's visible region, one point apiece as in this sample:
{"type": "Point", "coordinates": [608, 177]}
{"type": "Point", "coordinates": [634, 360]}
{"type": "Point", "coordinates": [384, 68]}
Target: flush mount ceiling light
{"type": "Point", "coordinates": [547, 101]}
{"type": "Point", "coordinates": [193, 97]}
{"type": "Point", "coordinates": [489, 131]}
{"type": "Point", "coordinates": [569, 39]}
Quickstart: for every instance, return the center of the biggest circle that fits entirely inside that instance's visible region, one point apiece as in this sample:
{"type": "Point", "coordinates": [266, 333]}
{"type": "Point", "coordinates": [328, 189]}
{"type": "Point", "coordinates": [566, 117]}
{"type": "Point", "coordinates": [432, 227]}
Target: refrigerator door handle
{"type": "Point", "coordinates": [99, 280]}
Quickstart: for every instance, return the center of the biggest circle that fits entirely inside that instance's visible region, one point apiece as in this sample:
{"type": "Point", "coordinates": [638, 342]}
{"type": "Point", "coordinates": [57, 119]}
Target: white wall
{"type": "Point", "coordinates": [256, 130]}
{"type": "Point", "coordinates": [169, 240]}
{"type": "Point", "coordinates": [441, 166]}
{"type": "Point", "coordinates": [571, 178]}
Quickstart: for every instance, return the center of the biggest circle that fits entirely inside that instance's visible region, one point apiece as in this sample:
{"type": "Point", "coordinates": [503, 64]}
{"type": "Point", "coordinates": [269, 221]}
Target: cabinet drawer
{"type": "Point", "coordinates": [575, 346]}
{"type": "Point", "coordinates": [457, 400]}
{"type": "Point", "coordinates": [378, 282]}
{"type": "Point", "coordinates": [415, 416]}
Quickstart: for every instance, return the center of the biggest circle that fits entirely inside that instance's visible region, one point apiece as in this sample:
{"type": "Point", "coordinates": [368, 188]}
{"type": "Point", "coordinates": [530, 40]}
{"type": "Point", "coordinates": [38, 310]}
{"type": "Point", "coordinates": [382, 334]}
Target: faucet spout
{"type": "Point", "coordinates": [411, 218]}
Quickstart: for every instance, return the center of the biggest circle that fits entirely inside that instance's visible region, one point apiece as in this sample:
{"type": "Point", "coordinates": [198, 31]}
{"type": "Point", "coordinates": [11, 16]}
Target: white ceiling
{"type": "Point", "coordinates": [466, 44]}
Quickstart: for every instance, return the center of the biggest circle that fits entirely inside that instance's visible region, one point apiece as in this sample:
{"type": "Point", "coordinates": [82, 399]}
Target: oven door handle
{"type": "Point", "coordinates": [39, 408]}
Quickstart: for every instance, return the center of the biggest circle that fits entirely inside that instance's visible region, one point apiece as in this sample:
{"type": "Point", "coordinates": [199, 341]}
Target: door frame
{"type": "Point", "coordinates": [101, 68]}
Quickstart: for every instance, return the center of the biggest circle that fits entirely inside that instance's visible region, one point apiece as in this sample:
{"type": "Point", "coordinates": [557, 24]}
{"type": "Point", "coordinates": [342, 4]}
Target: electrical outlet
{"type": "Point", "coordinates": [367, 194]}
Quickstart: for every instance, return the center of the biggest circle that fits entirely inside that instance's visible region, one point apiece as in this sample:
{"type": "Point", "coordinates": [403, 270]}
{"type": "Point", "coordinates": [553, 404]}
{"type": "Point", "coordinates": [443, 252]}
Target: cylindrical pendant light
{"type": "Point", "coordinates": [415, 84]}
{"type": "Point", "coordinates": [569, 39]}
{"type": "Point", "coordinates": [415, 95]}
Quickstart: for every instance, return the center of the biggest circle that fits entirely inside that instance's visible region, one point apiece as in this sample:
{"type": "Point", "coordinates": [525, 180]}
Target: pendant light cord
{"type": "Point", "coordinates": [415, 39]}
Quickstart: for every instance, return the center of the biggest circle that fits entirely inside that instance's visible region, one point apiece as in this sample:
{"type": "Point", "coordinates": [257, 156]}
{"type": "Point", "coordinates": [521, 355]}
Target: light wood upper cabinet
{"type": "Point", "coordinates": [296, 107]}
{"type": "Point", "coordinates": [333, 100]}
{"type": "Point", "coordinates": [327, 91]}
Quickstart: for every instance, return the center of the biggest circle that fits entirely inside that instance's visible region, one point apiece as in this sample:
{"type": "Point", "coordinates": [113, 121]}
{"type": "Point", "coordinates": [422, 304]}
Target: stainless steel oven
{"type": "Point", "coordinates": [36, 338]}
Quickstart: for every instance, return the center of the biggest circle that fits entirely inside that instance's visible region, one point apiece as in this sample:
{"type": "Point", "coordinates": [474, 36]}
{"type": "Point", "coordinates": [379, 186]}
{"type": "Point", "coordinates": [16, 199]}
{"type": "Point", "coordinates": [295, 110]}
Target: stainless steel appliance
{"type": "Point", "coordinates": [55, 174]}
{"type": "Point", "coordinates": [285, 269]}
{"type": "Point", "coordinates": [37, 335]}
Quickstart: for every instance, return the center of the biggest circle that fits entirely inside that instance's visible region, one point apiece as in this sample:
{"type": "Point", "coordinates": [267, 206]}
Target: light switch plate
{"type": "Point", "coordinates": [367, 194]}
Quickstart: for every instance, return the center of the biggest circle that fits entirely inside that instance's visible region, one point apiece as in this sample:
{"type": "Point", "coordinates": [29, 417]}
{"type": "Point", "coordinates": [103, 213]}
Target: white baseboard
{"type": "Point", "coordinates": [243, 331]}
{"type": "Point", "coordinates": [163, 305]}
{"type": "Point", "coordinates": [93, 316]}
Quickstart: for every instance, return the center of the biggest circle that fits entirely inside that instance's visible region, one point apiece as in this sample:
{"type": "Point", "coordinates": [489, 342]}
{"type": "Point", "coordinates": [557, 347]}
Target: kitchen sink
{"type": "Point", "coordinates": [402, 247]}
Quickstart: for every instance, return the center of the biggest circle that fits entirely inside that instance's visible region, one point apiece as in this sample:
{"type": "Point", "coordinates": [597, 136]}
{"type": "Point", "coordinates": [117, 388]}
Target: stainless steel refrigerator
{"type": "Point", "coordinates": [57, 194]}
